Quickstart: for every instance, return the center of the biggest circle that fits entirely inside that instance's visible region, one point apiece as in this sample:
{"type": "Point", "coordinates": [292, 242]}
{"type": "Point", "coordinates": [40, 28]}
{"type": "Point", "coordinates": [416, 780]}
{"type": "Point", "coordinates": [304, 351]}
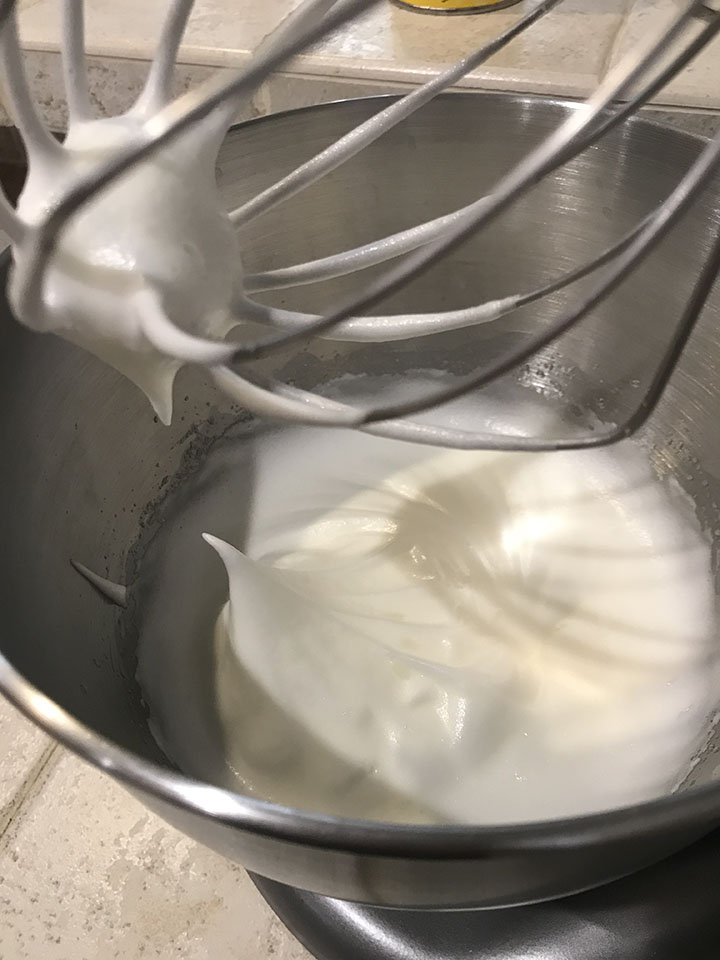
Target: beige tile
{"type": "Point", "coordinates": [565, 53]}
{"type": "Point", "coordinates": [87, 873]}
{"type": "Point", "coordinates": [699, 83]}
{"type": "Point", "coordinates": [24, 751]}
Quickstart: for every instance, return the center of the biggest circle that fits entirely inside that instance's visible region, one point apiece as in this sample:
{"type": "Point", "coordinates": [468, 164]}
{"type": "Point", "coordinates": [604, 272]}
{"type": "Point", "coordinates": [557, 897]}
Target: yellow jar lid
{"type": "Point", "coordinates": [455, 6]}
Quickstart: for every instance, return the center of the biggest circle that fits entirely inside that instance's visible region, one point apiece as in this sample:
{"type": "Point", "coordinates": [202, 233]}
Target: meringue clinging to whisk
{"type": "Point", "coordinates": [121, 244]}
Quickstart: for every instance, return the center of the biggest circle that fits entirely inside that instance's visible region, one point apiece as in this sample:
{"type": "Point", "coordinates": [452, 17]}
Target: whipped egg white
{"type": "Point", "coordinates": [463, 636]}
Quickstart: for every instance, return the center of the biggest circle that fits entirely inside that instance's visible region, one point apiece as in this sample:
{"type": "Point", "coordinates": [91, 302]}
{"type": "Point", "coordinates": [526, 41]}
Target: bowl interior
{"type": "Point", "coordinates": [90, 474]}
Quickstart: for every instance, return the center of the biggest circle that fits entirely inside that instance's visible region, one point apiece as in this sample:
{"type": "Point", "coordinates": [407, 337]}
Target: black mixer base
{"type": "Point", "coordinates": [668, 912]}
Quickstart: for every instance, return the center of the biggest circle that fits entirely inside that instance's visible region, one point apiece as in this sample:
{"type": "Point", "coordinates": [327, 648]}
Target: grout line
{"type": "Point", "coordinates": [30, 788]}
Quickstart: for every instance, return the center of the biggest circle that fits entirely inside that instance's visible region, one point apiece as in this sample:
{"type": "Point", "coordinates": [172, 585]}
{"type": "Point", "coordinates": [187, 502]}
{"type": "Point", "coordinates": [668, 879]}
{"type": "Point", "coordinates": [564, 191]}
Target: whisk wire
{"type": "Point", "coordinates": [158, 86]}
{"type": "Point", "coordinates": [163, 127]}
{"type": "Point", "coordinates": [382, 329]}
{"type": "Point", "coordinates": [73, 61]}
{"type": "Point", "coordinates": [693, 311]}
{"type": "Point", "coordinates": [12, 69]}
{"type": "Point", "coordinates": [645, 242]}
{"type": "Point", "coordinates": [571, 138]}
{"type": "Point", "coordinates": [395, 245]}
{"type": "Point", "coordinates": [366, 133]}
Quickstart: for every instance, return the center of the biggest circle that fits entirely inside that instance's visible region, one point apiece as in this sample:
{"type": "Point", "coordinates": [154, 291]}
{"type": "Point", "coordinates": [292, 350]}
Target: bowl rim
{"type": "Point", "coordinates": [357, 836]}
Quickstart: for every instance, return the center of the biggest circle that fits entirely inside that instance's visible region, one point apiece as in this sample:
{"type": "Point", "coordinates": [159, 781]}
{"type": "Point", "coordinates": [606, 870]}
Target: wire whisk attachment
{"type": "Point", "coordinates": [121, 243]}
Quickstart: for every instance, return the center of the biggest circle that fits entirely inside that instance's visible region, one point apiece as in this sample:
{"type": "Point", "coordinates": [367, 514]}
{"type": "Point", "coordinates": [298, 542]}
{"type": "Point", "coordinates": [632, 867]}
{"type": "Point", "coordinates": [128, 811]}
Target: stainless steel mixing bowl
{"type": "Point", "coordinates": [87, 471]}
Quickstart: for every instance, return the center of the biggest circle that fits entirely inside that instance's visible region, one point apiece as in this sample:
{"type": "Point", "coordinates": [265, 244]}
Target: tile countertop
{"type": "Point", "coordinates": [565, 54]}
{"type": "Point", "coordinates": [86, 873]}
